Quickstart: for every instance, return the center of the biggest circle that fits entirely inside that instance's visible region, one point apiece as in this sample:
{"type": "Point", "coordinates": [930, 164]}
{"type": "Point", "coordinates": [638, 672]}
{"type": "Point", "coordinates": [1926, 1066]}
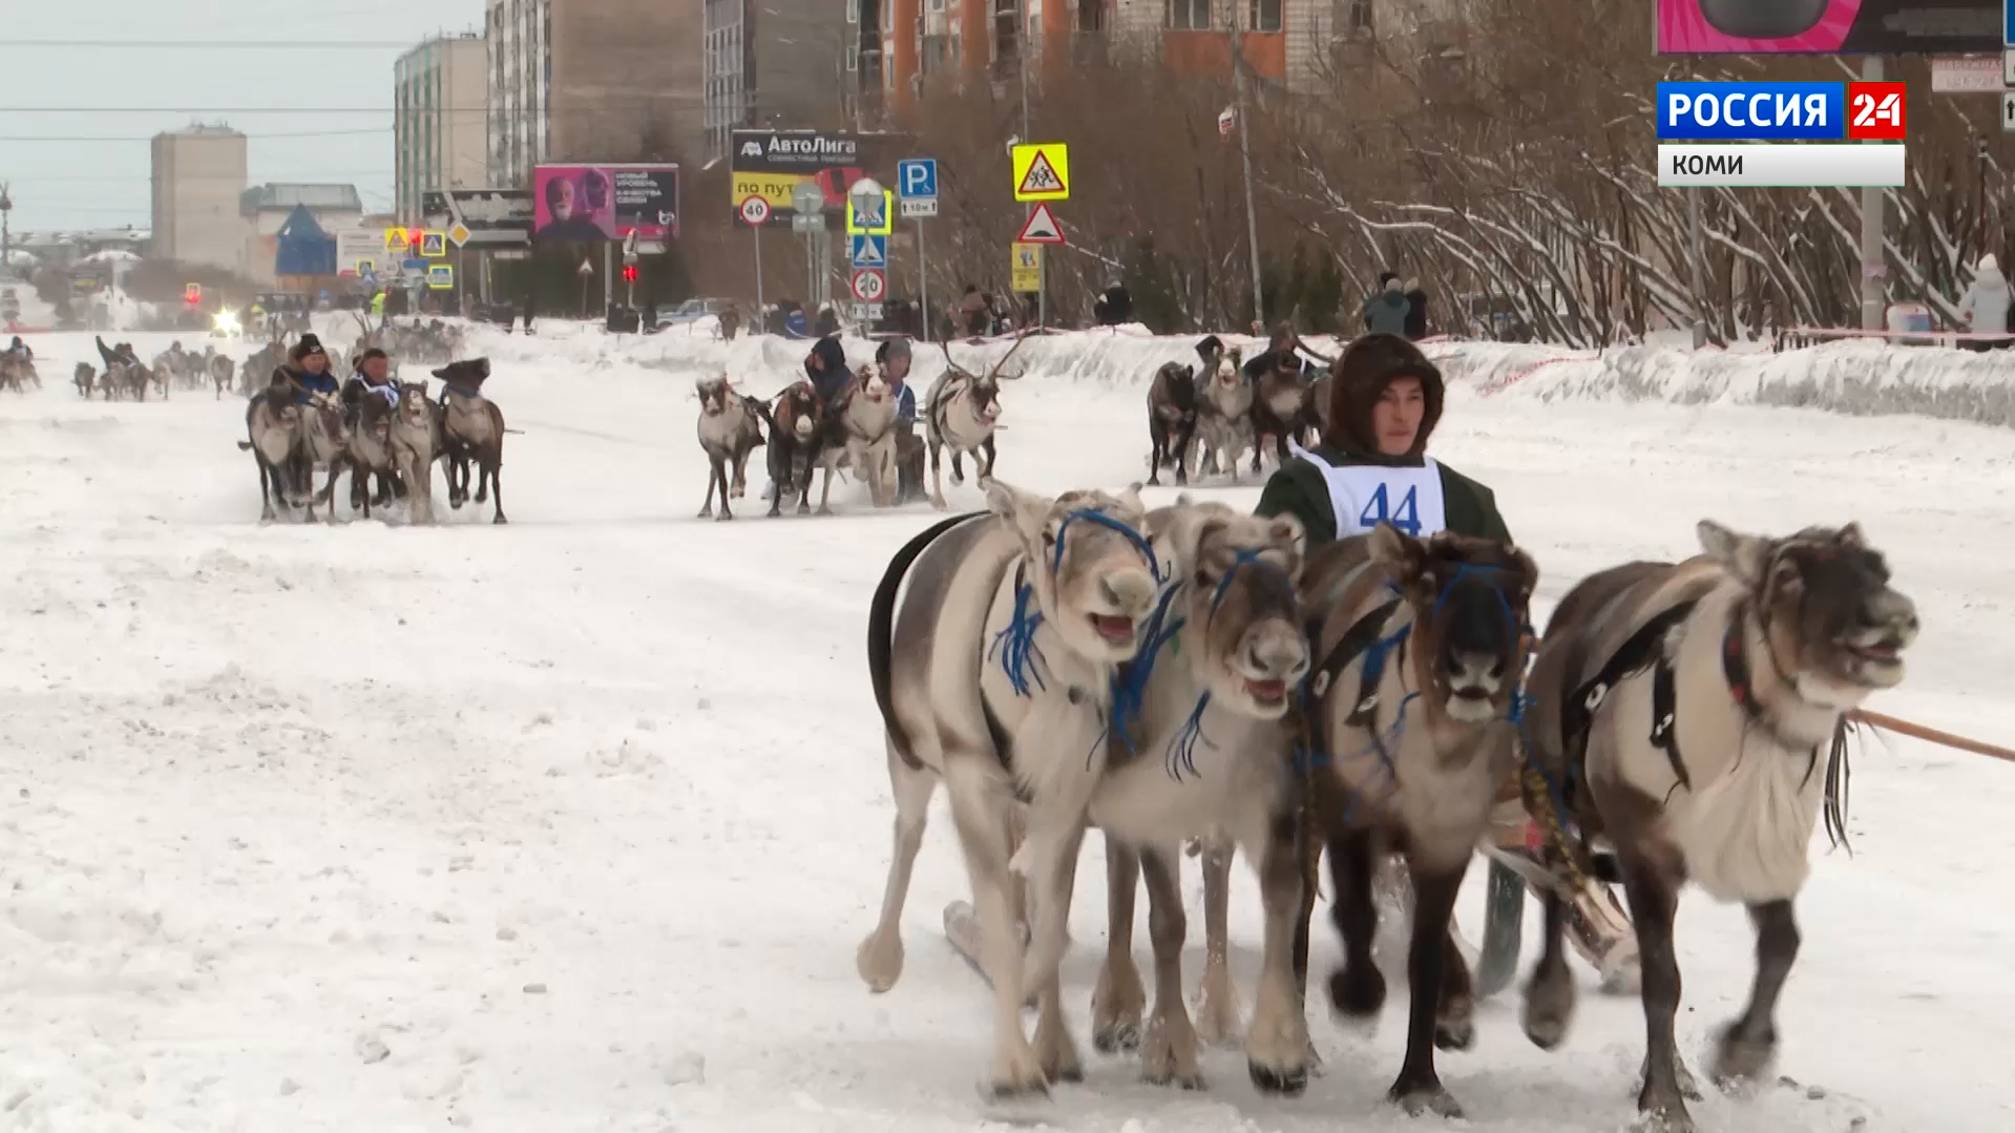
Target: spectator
{"type": "Point", "coordinates": [1416, 311]}
{"type": "Point", "coordinates": [1986, 305]}
{"type": "Point", "coordinates": [1385, 312]}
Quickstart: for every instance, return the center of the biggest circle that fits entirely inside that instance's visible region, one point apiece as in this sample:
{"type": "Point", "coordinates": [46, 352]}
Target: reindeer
{"type": "Point", "coordinates": [997, 678]}
{"type": "Point", "coordinates": [473, 428]}
{"type": "Point", "coordinates": [1410, 729]}
{"type": "Point", "coordinates": [1224, 416]}
{"type": "Point", "coordinates": [219, 367]}
{"type": "Point", "coordinates": [1279, 410]}
{"type": "Point", "coordinates": [17, 373]}
{"type": "Point", "coordinates": [730, 428]}
{"type": "Point", "coordinates": [861, 432]}
{"type": "Point", "coordinates": [273, 430]}
{"type": "Point", "coordinates": [136, 380]}
{"type": "Point", "coordinates": [325, 443]}
{"type": "Point", "coordinates": [1171, 420]}
{"type": "Point", "coordinates": [961, 412]}
{"type": "Point", "coordinates": [797, 433]}
{"type": "Point", "coordinates": [1682, 711]}
{"type": "Point", "coordinates": [416, 444]}
{"type": "Point", "coordinates": [1209, 752]}
{"type": "Point", "coordinates": [372, 454]}
{"type": "Point", "coordinates": [85, 378]}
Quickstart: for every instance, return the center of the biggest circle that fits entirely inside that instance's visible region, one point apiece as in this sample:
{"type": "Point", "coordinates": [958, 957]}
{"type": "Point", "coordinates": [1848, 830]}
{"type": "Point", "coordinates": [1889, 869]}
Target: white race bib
{"type": "Point", "coordinates": [1366, 495]}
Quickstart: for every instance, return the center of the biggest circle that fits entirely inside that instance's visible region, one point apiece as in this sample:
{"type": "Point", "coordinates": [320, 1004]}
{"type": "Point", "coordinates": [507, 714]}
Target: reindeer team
{"type": "Point", "coordinates": [1189, 675]}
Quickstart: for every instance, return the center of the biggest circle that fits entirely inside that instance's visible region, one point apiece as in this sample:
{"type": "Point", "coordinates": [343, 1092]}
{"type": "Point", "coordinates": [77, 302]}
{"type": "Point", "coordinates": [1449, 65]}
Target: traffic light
{"type": "Point", "coordinates": [629, 273]}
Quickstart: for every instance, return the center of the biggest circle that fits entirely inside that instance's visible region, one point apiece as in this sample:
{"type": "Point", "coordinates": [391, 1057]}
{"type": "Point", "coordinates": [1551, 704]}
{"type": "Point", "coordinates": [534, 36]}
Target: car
{"type": "Point", "coordinates": [693, 310]}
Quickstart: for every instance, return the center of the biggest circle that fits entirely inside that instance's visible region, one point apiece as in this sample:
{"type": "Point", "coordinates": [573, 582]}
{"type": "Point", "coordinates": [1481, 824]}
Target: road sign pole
{"type": "Point", "coordinates": [923, 280]}
{"type": "Point", "coordinates": [758, 230]}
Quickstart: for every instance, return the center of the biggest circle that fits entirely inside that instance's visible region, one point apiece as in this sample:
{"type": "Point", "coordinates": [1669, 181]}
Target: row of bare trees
{"type": "Point", "coordinates": [1503, 157]}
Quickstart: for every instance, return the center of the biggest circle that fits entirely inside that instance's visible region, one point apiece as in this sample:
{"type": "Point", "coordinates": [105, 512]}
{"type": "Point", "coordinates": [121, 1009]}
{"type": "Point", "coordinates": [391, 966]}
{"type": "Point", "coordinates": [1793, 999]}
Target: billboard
{"type": "Point", "coordinates": [587, 203]}
{"type": "Point", "coordinates": [1828, 27]}
{"type": "Point", "coordinates": [358, 245]}
{"type": "Point", "coordinates": [771, 164]}
{"type": "Point", "coordinates": [499, 218]}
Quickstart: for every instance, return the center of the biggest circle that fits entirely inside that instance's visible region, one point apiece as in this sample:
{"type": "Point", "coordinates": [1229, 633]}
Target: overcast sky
{"type": "Point", "coordinates": [119, 60]}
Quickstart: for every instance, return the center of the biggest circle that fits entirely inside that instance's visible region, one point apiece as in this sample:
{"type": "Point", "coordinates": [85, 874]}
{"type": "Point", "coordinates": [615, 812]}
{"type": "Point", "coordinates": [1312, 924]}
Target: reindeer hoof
{"type": "Point", "coordinates": [500, 520]}
{"type": "Point", "coordinates": [1741, 1060]}
{"type": "Point", "coordinates": [1424, 1099]}
{"type": "Point", "coordinates": [824, 510]}
{"type": "Point", "coordinates": [1455, 1034]}
{"type": "Point", "coordinates": [1289, 1082]}
{"type": "Point", "coordinates": [1118, 1036]}
{"type": "Point", "coordinates": [1181, 478]}
{"type": "Point", "coordinates": [725, 516]}
{"type": "Point", "coordinates": [707, 512]}
{"type": "Point", "coordinates": [1358, 992]}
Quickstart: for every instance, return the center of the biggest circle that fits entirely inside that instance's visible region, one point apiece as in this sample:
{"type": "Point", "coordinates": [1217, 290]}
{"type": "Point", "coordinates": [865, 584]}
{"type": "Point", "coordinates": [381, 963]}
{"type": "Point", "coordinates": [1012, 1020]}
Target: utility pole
{"type": "Point", "coordinates": [1021, 56]}
{"type": "Point", "coordinates": [1245, 157]}
{"type": "Point", "coordinates": [1874, 266]}
{"type": "Point", "coordinates": [6, 230]}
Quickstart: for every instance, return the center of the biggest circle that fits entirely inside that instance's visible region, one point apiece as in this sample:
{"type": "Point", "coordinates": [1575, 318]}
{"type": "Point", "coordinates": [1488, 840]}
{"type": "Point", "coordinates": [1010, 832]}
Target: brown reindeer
{"type": "Point", "coordinates": [797, 433]}
{"type": "Point", "coordinates": [1693, 714]}
{"type": "Point", "coordinates": [86, 379]}
{"type": "Point", "coordinates": [1422, 644]}
{"type": "Point", "coordinates": [473, 429]}
{"type": "Point", "coordinates": [730, 428]}
{"type": "Point", "coordinates": [1171, 420]}
{"type": "Point", "coordinates": [961, 412]}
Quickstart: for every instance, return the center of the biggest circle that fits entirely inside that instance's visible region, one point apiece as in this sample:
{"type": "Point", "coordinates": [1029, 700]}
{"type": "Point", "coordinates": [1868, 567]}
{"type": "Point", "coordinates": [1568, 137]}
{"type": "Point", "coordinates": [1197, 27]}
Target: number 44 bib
{"type": "Point", "coordinates": [1366, 495]}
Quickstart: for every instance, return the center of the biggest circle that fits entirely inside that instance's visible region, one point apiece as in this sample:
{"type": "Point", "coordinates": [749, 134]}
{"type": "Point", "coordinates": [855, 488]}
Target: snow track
{"type": "Point", "coordinates": [575, 824]}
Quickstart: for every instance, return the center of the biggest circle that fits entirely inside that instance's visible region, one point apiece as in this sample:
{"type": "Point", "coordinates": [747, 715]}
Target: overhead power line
{"type": "Point", "coordinates": [150, 137]}
{"type": "Point", "coordinates": [223, 44]}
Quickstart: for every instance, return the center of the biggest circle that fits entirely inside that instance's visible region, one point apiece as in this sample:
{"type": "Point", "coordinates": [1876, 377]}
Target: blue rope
{"type": "Point", "coordinates": [1181, 751]}
{"type": "Point", "coordinates": [1242, 557]}
{"type": "Point", "coordinates": [1130, 681]}
{"type": "Point", "coordinates": [1103, 520]}
{"type": "Point", "coordinates": [1016, 645]}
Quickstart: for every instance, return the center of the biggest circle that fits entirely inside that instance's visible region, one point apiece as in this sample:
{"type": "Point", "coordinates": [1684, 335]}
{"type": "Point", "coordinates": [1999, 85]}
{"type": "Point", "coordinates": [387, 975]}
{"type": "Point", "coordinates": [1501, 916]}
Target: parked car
{"type": "Point", "coordinates": [692, 310]}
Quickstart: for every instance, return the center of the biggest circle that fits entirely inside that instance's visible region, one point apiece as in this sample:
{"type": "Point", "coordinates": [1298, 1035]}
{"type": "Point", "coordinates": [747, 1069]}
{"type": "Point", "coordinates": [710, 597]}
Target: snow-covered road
{"type": "Point", "coordinates": [574, 824]}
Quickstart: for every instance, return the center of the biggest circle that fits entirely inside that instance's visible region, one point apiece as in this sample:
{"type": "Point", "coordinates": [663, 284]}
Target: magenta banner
{"type": "Point", "coordinates": [1828, 27]}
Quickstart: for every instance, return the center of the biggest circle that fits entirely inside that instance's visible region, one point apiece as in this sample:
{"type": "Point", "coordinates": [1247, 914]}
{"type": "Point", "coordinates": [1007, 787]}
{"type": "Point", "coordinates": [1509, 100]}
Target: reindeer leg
{"type": "Point", "coordinates": [880, 957]}
{"type": "Point", "coordinates": [1119, 1000]}
{"type": "Point", "coordinates": [1455, 1014]}
{"type": "Point", "coordinates": [713, 478]}
{"type": "Point", "coordinates": [485, 465]}
{"type": "Point", "coordinates": [268, 487]}
{"type": "Point", "coordinates": [1549, 996]}
{"type": "Point", "coordinates": [1169, 1051]}
{"type": "Point", "coordinates": [1277, 1050]}
{"type": "Point", "coordinates": [958, 471]}
{"type": "Point", "coordinates": [497, 492]}
{"type": "Point", "coordinates": [826, 490]}
{"type": "Point", "coordinates": [1745, 1049]}
{"type": "Point", "coordinates": [1654, 898]}
{"type": "Point", "coordinates": [989, 447]}
{"type": "Point", "coordinates": [1217, 1010]}
{"type": "Point", "coordinates": [1182, 444]}
{"type": "Point", "coordinates": [937, 479]}
{"type": "Point", "coordinates": [1358, 988]}
{"type": "Point", "coordinates": [1155, 455]}
{"type": "Point", "coordinates": [983, 833]}
{"type": "Point", "coordinates": [1418, 1089]}
{"type": "Point", "coordinates": [1054, 1048]}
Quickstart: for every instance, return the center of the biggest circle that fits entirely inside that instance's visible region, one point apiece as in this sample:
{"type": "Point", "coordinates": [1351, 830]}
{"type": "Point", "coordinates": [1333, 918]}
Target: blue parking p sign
{"type": "Point", "coordinates": [917, 178]}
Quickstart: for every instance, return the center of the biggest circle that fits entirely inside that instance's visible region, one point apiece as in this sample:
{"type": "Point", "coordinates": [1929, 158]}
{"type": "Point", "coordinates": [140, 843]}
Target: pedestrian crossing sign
{"type": "Point", "coordinates": [870, 251]}
{"type": "Point", "coordinates": [1042, 172]}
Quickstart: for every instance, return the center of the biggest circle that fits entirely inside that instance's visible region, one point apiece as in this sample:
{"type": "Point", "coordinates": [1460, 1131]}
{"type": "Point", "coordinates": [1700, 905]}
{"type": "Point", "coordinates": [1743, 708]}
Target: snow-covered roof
{"type": "Point", "coordinates": [278, 196]}
{"type": "Point", "coordinates": [111, 256]}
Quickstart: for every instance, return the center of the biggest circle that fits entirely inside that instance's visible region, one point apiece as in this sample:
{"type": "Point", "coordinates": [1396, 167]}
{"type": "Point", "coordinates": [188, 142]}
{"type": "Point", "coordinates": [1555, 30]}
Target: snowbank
{"type": "Point", "coordinates": [1855, 378]}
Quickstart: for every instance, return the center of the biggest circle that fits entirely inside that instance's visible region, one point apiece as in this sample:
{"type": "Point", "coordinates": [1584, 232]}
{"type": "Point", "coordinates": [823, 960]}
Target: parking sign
{"type": "Point", "coordinates": [917, 178]}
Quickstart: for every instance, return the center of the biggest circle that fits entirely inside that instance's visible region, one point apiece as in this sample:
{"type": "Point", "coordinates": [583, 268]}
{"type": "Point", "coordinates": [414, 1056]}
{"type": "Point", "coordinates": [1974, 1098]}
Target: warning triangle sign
{"type": "Point", "coordinates": [1041, 228]}
{"type": "Point", "coordinates": [1040, 178]}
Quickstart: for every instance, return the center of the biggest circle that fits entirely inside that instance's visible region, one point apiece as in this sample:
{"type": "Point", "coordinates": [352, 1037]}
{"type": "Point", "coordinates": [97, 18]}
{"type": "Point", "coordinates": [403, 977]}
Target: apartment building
{"type": "Point", "coordinates": [440, 96]}
{"type": "Point", "coordinates": [593, 80]}
{"type": "Point", "coordinates": [789, 64]}
{"type": "Point", "coordinates": [198, 174]}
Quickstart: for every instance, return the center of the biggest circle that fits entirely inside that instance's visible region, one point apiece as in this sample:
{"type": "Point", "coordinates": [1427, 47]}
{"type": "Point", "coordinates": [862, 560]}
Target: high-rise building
{"type": "Point", "coordinates": [787, 64]}
{"type": "Point", "coordinates": [593, 80]}
{"type": "Point", "coordinates": [441, 124]}
{"type": "Point", "coordinates": [198, 174]}
{"type": "Point", "coordinates": [1286, 43]}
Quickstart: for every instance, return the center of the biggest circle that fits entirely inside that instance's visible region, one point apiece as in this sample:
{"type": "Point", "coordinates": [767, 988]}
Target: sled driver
{"type": "Point", "coordinates": [1370, 467]}
{"type": "Point", "coordinates": [893, 356]}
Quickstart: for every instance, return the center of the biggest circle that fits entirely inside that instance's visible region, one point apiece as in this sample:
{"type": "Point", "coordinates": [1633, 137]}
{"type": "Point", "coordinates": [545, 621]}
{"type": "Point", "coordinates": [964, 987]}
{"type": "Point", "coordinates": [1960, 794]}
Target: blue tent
{"type": "Point", "coordinates": [303, 248]}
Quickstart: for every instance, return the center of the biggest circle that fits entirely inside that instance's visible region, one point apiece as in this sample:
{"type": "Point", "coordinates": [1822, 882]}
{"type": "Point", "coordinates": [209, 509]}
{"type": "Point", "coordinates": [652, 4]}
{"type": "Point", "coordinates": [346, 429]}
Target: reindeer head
{"type": "Point", "coordinates": [714, 394]}
{"type": "Point", "coordinates": [869, 380]}
{"type": "Point", "coordinates": [799, 411]}
{"type": "Point", "coordinates": [1230, 369]}
{"type": "Point", "coordinates": [415, 411]}
{"type": "Point", "coordinates": [1833, 623]}
{"type": "Point", "coordinates": [1094, 573]}
{"type": "Point", "coordinates": [1241, 598]}
{"type": "Point", "coordinates": [1469, 599]}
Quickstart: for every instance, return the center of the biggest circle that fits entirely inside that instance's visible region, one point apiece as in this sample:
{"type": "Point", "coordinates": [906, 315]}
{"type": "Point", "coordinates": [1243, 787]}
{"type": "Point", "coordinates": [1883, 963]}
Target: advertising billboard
{"type": "Point", "coordinates": [587, 203]}
{"type": "Point", "coordinates": [1828, 27]}
{"type": "Point", "coordinates": [771, 164]}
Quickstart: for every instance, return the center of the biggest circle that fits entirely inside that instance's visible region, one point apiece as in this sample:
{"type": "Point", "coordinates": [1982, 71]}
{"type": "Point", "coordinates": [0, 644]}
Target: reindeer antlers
{"type": "Point", "coordinates": [1018, 340]}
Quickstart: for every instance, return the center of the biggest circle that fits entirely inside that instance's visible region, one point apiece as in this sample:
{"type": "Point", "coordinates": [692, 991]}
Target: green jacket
{"type": "Point", "coordinates": [1298, 489]}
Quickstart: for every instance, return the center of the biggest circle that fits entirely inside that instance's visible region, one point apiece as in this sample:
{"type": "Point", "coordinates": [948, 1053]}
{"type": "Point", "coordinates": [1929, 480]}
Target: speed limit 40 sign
{"type": "Point", "coordinates": [755, 211]}
{"type": "Point", "coordinates": [870, 284]}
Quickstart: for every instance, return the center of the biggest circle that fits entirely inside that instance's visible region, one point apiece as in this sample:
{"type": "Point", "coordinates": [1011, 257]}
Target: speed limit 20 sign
{"type": "Point", "coordinates": [755, 211]}
{"type": "Point", "coordinates": [870, 284]}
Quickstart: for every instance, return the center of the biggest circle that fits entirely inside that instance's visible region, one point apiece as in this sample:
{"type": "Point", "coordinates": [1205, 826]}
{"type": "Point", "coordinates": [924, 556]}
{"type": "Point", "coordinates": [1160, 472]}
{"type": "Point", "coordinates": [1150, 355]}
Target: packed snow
{"type": "Point", "coordinates": [574, 824]}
